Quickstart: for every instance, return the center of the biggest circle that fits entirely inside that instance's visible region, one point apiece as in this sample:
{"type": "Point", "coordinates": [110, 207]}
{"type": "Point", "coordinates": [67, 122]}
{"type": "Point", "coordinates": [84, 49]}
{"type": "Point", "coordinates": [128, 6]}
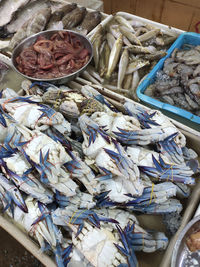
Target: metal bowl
{"type": "Point", "coordinates": [47, 34]}
{"type": "Point", "coordinates": [181, 255]}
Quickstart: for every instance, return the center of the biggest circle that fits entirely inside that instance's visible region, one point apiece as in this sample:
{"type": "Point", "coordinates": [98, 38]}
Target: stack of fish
{"type": "Point", "coordinates": [62, 170]}
{"type": "Point", "coordinates": [126, 50]}
{"type": "Point", "coordinates": [178, 84]}
{"type": "Point", "coordinates": [23, 18]}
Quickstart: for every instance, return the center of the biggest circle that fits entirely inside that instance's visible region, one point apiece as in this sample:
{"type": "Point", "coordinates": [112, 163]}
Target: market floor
{"type": "Point", "coordinates": [12, 254]}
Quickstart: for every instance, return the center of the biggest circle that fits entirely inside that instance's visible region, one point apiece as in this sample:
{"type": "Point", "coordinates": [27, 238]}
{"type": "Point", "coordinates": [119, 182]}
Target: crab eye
{"type": "Point", "coordinates": [15, 189]}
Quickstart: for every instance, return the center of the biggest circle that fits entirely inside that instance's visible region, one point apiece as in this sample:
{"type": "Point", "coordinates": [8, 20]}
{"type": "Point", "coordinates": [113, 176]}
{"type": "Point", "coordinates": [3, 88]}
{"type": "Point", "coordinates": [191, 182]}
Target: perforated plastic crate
{"type": "Point", "coordinates": [180, 114]}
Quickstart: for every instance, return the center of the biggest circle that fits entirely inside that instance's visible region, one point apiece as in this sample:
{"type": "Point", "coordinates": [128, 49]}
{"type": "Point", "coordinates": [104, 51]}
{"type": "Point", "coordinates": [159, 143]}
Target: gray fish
{"type": "Point", "coordinates": [74, 18]}
{"type": "Point", "coordinates": [25, 14]}
{"type": "Point", "coordinates": [8, 9]}
{"type": "Point", "coordinates": [32, 26]}
{"type": "Point", "coordinates": [59, 14]}
{"type": "Point", "coordinates": [91, 20]}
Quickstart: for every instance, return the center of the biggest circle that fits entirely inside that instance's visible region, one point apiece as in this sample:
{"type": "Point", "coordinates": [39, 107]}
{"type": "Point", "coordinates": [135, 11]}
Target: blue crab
{"type": "Point", "coordinates": [159, 166]}
{"type": "Point", "coordinates": [154, 200]}
{"type": "Point", "coordinates": [168, 172]}
{"type": "Point", "coordinates": [30, 112]}
{"type": "Point", "coordinates": [10, 193]}
{"type": "Point", "coordinates": [117, 170]}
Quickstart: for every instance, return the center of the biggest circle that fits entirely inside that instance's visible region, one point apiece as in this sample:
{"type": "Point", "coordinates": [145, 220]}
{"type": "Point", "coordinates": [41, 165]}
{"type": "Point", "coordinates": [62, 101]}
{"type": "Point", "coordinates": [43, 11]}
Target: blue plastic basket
{"type": "Point", "coordinates": [185, 38]}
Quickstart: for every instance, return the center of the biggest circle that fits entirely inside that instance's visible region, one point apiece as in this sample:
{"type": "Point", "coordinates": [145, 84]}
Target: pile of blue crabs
{"type": "Point", "coordinates": [76, 172]}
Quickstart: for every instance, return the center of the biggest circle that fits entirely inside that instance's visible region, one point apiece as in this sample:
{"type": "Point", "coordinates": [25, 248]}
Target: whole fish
{"type": "Point", "coordinates": [136, 65]}
{"type": "Point", "coordinates": [91, 20]}
{"type": "Point", "coordinates": [130, 35]}
{"type": "Point", "coordinates": [127, 81]}
{"type": "Point", "coordinates": [32, 26]}
{"type": "Point", "coordinates": [124, 22]}
{"type": "Point", "coordinates": [134, 85]}
{"type": "Point", "coordinates": [155, 55]}
{"type": "Point", "coordinates": [25, 14]}
{"type": "Point", "coordinates": [114, 56]}
{"type": "Point", "coordinates": [102, 67]}
{"type": "Point", "coordinates": [96, 50]}
{"type": "Point", "coordinates": [98, 30]}
{"type": "Point", "coordinates": [107, 56]}
{"type": "Point", "coordinates": [59, 14]}
{"type": "Point", "coordinates": [123, 63]}
{"type": "Point", "coordinates": [74, 18]}
{"type": "Point", "coordinates": [110, 39]}
{"type": "Point", "coordinates": [115, 31]}
{"type": "Point", "coordinates": [139, 49]}
{"type": "Point", "coordinates": [8, 9]}
{"type": "Point", "coordinates": [148, 35]}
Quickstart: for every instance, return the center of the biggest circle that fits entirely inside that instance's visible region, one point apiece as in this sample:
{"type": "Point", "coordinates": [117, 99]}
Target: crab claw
{"type": "Point", "coordinates": [147, 241]}
{"type": "Point", "coordinates": [6, 152]}
{"type": "Point", "coordinates": [169, 206]}
{"type": "Point", "coordinates": [62, 200]}
{"type": "Point", "coordinates": [104, 201]}
{"type": "Point", "coordinates": [141, 114]}
{"type": "Point", "coordinates": [2, 119]}
{"type": "Point", "coordinates": [66, 253]}
{"type": "Point", "coordinates": [167, 172]}
{"type": "Point", "coordinates": [46, 111]}
{"type": "Point", "coordinates": [6, 200]}
{"type": "Point", "coordinates": [169, 147]}
{"type": "Point", "coordinates": [45, 166]}
{"type": "Point", "coordinates": [127, 250]}
{"type": "Point", "coordinates": [13, 192]}
{"type": "Point", "coordinates": [139, 137]}
{"type": "Point", "coordinates": [59, 256]}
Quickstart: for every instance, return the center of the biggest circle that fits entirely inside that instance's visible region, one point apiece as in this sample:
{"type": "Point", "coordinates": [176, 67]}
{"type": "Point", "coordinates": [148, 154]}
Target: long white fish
{"type": "Point", "coordinates": [123, 63]}
{"type": "Point", "coordinates": [114, 56]}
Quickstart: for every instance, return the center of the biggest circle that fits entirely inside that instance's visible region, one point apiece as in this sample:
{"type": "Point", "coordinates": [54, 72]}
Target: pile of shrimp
{"type": "Point", "coordinates": [62, 54]}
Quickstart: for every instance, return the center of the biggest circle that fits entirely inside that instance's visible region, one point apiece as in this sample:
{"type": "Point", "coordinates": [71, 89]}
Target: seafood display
{"type": "Point", "coordinates": [78, 172]}
{"type": "Point", "coordinates": [125, 51]}
{"type": "Point", "coordinates": [178, 84]}
{"type": "Point", "coordinates": [81, 172]}
{"type": "Point", "coordinates": [61, 54]}
{"type": "Point", "coordinates": [24, 18]}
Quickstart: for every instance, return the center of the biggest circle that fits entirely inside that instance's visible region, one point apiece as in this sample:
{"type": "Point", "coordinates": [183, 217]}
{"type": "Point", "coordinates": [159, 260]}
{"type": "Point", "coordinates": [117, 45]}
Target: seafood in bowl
{"type": "Point", "coordinates": [186, 251]}
{"type": "Point", "coordinates": [52, 55]}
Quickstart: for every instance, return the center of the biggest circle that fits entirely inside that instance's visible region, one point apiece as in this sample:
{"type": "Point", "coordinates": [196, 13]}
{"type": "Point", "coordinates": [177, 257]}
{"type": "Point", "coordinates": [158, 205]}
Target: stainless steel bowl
{"type": "Point", "coordinates": [181, 256]}
{"type": "Point", "coordinates": [47, 34]}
